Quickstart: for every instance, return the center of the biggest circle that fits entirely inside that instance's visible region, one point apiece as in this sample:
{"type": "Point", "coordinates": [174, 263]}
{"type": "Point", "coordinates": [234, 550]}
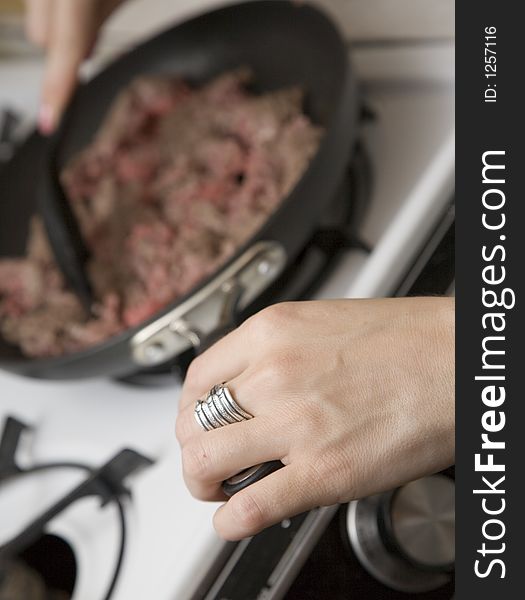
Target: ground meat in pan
{"type": "Point", "coordinates": [176, 179]}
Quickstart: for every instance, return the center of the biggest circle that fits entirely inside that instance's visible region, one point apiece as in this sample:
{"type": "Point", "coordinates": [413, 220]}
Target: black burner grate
{"type": "Point", "coordinates": [28, 557]}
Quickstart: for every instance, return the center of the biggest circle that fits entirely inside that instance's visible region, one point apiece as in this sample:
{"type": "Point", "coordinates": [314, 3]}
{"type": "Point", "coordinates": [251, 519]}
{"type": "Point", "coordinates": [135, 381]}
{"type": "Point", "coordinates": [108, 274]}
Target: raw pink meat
{"type": "Point", "coordinates": [176, 179]}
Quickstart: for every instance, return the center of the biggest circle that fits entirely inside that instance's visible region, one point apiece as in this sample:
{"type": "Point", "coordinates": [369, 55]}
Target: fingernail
{"type": "Point", "coordinates": [46, 119]}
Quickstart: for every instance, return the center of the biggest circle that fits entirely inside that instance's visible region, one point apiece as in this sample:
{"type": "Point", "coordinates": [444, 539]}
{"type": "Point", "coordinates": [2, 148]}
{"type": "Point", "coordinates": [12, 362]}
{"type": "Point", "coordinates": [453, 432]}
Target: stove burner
{"type": "Point", "coordinates": [106, 482]}
{"type": "Point", "coordinates": [32, 576]}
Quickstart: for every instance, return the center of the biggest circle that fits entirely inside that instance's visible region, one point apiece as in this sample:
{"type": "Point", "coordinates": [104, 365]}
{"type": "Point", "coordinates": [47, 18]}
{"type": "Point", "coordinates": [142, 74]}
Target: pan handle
{"type": "Point", "coordinates": [245, 478]}
{"type": "Point", "coordinates": [228, 322]}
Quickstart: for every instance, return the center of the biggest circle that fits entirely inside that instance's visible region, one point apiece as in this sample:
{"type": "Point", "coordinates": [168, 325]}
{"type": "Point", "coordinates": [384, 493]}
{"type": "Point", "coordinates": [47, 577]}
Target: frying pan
{"type": "Point", "coordinates": [285, 44]}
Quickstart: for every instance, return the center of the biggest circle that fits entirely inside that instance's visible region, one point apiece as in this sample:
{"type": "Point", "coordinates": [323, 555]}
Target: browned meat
{"type": "Point", "coordinates": [176, 179]}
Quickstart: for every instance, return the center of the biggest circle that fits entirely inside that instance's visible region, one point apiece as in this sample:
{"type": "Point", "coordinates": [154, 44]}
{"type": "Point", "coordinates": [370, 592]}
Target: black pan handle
{"type": "Point", "coordinates": [245, 478]}
{"type": "Point", "coordinates": [228, 323]}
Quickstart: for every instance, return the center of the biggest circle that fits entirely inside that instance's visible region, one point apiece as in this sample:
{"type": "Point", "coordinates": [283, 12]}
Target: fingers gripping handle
{"type": "Point", "coordinates": [228, 322]}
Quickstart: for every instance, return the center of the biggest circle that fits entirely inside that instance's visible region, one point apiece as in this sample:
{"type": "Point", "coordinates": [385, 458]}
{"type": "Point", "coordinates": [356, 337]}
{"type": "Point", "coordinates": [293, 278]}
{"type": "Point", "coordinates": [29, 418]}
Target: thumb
{"type": "Point", "coordinates": [73, 30]}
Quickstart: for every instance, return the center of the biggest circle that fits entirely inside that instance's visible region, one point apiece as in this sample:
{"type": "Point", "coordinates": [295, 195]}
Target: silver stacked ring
{"type": "Point", "coordinates": [225, 417]}
{"type": "Point", "coordinates": [208, 413]}
{"type": "Point", "coordinates": [219, 409]}
{"type": "Point", "coordinates": [201, 418]}
{"type": "Point", "coordinates": [229, 403]}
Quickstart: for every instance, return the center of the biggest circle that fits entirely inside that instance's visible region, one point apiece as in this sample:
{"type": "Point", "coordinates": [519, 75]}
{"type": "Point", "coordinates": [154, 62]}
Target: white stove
{"type": "Point", "coordinates": [170, 539]}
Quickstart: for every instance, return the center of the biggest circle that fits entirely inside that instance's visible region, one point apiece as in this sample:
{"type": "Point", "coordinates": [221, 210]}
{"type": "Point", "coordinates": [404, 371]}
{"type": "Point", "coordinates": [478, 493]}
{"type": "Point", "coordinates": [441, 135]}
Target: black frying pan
{"type": "Point", "coordinates": [285, 44]}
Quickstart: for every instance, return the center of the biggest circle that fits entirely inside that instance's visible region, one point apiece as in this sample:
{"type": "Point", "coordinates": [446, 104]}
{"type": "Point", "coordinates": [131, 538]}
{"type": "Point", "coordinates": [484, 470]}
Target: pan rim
{"type": "Point", "coordinates": [41, 364]}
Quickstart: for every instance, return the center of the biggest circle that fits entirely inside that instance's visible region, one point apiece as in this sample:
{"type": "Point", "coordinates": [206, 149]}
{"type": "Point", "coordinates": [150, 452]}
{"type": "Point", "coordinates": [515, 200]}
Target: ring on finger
{"type": "Point", "coordinates": [219, 409]}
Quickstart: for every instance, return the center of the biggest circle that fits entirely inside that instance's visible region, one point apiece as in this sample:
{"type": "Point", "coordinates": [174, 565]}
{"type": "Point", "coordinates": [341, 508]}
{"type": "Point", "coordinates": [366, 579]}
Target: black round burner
{"type": "Point", "coordinates": [46, 570]}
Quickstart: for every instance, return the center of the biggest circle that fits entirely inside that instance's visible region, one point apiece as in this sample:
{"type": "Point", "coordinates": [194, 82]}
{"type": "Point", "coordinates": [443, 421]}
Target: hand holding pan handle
{"type": "Point", "coordinates": [228, 323]}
